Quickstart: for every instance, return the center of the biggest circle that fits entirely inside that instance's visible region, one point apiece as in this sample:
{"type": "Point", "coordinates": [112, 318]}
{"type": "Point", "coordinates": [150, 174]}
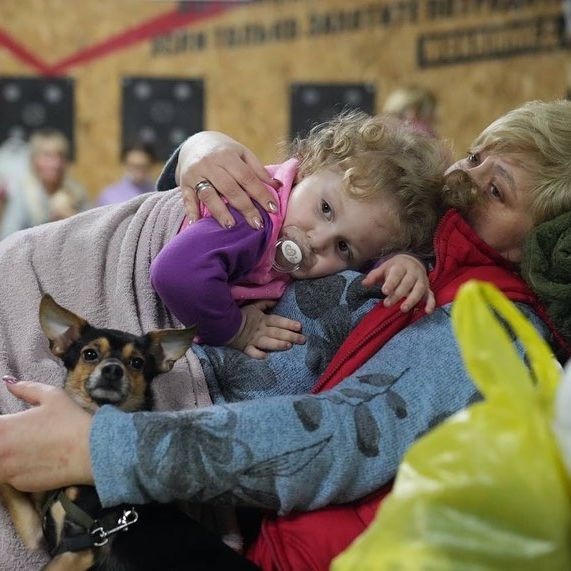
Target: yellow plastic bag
{"type": "Point", "coordinates": [487, 488]}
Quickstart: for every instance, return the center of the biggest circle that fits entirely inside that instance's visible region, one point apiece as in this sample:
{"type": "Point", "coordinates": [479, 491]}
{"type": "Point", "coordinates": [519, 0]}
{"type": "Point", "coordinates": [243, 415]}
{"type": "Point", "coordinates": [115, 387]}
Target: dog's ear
{"type": "Point", "coordinates": [169, 345]}
{"type": "Point", "coordinates": [61, 326]}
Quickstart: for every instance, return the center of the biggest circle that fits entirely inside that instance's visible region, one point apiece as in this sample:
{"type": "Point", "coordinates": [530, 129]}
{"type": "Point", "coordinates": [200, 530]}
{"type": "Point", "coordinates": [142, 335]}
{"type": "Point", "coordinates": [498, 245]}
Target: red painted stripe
{"type": "Point", "coordinates": [21, 53]}
{"type": "Point", "coordinates": [154, 27]}
{"type": "Point", "coordinates": [160, 25]}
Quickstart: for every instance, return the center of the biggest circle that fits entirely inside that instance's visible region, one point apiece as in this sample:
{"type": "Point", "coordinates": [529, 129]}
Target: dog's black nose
{"type": "Point", "coordinates": [112, 372]}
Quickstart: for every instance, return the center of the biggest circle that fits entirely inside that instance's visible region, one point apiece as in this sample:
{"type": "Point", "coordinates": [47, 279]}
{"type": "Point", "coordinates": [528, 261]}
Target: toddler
{"type": "Point", "coordinates": [357, 188]}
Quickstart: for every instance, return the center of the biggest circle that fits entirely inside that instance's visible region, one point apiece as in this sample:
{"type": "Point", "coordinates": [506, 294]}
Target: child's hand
{"type": "Point", "coordinates": [402, 276]}
{"type": "Point", "coordinates": [262, 332]}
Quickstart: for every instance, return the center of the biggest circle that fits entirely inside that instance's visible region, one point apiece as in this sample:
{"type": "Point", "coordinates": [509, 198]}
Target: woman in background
{"type": "Point", "coordinates": [415, 105]}
{"type": "Point", "coordinates": [45, 192]}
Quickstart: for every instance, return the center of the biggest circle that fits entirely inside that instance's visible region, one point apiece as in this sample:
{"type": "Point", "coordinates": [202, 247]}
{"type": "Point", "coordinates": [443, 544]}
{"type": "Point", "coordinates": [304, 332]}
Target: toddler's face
{"type": "Point", "coordinates": [341, 232]}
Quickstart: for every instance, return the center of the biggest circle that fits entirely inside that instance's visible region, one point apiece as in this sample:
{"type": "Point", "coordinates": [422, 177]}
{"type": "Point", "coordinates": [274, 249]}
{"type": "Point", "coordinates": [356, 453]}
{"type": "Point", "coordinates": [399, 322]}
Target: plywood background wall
{"type": "Point", "coordinates": [480, 57]}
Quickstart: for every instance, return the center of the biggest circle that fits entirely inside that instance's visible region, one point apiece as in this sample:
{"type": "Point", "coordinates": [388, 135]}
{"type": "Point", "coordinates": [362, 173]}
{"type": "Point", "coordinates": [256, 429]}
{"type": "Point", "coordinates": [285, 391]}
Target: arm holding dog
{"type": "Point", "coordinates": [317, 450]}
{"type": "Point", "coordinates": [271, 471]}
{"type": "Point", "coordinates": [46, 446]}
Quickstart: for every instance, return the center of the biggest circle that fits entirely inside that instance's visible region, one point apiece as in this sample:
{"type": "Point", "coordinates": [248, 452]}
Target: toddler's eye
{"type": "Point", "coordinates": [136, 363]}
{"type": "Point", "coordinates": [325, 208]}
{"type": "Point", "coordinates": [345, 250]}
{"type": "Point", "coordinates": [90, 354]}
{"type": "Point", "coordinates": [474, 158]}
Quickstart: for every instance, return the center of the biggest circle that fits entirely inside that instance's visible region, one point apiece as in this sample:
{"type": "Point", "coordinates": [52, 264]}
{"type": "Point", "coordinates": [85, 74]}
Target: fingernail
{"type": "Point", "coordinates": [10, 379]}
{"type": "Point", "coordinates": [190, 221]}
{"type": "Point", "coordinates": [258, 223]}
{"type": "Point", "coordinates": [228, 224]}
{"type": "Point", "coordinates": [277, 183]}
{"type": "Point", "coordinates": [272, 207]}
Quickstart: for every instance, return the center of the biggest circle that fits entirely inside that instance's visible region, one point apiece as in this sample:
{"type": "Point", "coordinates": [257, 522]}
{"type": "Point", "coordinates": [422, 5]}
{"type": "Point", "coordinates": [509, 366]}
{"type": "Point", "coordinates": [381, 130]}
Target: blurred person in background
{"type": "Point", "coordinates": [3, 195]}
{"type": "Point", "coordinates": [14, 160]}
{"type": "Point", "coordinates": [44, 192]}
{"type": "Point", "coordinates": [138, 160]}
{"type": "Point", "coordinates": [415, 105]}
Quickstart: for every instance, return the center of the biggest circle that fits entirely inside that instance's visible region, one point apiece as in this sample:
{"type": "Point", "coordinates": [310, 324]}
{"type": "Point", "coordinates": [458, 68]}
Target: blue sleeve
{"type": "Point", "coordinates": [290, 452]}
{"type": "Point", "coordinates": [193, 272]}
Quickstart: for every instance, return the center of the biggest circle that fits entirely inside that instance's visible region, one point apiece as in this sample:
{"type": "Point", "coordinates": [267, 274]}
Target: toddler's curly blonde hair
{"type": "Point", "coordinates": [381, 158]}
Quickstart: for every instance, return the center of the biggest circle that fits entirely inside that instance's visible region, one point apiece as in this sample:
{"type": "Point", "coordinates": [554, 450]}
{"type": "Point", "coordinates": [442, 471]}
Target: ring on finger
{"type": "Point", "coordinates": [203, 185]}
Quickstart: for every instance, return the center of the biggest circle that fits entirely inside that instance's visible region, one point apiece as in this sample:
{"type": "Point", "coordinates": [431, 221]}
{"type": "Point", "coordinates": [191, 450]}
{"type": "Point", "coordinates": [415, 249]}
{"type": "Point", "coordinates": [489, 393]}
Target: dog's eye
{"type": "Point", "coordinates": [136, 363]}
{"type": "Point", "coordinates": [90, 354]}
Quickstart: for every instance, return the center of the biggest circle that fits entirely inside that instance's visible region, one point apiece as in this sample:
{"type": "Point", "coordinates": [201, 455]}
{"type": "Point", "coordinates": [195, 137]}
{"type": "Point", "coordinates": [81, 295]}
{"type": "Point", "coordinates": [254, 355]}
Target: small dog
{"type": "Point", "coordinates": [107, 366]}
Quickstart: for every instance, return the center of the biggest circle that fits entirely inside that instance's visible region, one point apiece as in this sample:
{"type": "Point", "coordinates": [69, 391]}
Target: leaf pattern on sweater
{"type": "Point", "coordinates": [325, 304]}
{"type": "Point", "coordinates": [240, 373]}
{"type": "Point", "coordinates": [326, 291]}
{"type": "Point", "coordinates": [327, 312]}
{"type": "Point", "coordinates": [357, 295]}
{"type": "Point", "coordinates": [309, 412]}
{"type": "Point", "coordinates": [337, 325]}
{"type": "Point", "coordinates": [188, 436]}
{"type": "Point", "coordinates": [199, 438]}
{"type": "Point", "coordinates": [289, 463]}
{"type": "Point", "coordinates": [368, 433]}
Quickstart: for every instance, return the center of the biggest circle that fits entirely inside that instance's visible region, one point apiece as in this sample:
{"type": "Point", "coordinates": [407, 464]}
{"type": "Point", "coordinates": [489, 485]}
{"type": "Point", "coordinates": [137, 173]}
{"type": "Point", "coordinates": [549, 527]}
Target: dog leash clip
{"type": "Point", "coordinates": [101, 536]}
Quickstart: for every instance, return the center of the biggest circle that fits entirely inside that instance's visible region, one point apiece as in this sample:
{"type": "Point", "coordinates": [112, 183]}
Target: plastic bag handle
{"type": "Point", "coordinates": [485, 323]}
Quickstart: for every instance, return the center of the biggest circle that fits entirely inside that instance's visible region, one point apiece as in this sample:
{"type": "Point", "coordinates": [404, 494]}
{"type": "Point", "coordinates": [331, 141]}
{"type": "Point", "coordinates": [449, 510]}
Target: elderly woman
{"type": "Point", "coordinates": [393, 379]}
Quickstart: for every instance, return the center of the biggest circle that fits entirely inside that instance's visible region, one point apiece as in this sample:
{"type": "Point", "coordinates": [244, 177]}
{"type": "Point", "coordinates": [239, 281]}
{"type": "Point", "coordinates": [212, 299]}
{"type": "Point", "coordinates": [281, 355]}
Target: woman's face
{"type": "Point", "coordinates": [501, 215]}
{"type": "Point", "coordinates": [50, 166]}
{"type": "Point", "coordinates": [138, 165]}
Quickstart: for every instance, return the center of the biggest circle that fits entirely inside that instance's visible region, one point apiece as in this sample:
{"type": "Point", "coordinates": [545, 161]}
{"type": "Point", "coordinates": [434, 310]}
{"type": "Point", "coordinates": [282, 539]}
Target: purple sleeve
{"type": "Point", "coordinates": [192, 274]}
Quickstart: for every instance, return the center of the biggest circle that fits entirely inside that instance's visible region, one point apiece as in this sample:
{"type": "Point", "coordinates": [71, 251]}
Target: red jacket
{"type": "Point", "coordinates": [308, 541]}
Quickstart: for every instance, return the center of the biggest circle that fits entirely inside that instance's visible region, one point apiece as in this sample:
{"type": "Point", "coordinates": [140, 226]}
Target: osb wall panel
{"type": "Point", "coordinates": [480, 57]}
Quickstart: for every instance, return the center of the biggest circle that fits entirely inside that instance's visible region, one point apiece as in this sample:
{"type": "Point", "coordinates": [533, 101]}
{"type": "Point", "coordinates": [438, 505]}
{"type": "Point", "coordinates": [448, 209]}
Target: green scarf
{"type": "Point", "coordinates": [546, 267]}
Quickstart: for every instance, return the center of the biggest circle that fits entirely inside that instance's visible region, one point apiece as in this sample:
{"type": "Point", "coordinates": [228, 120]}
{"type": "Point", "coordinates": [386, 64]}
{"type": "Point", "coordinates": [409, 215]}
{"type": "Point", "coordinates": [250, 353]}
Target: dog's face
{"type": "Point", "coordinates": [106, 366]}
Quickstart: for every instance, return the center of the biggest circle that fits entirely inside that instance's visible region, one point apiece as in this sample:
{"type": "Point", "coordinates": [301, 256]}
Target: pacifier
{"type": "Point", "coordinates": [293, 251]}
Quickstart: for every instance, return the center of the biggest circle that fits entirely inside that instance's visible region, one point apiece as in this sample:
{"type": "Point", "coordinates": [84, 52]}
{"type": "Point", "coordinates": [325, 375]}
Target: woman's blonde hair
{"type": "Point", "coordinates": [382, 159]}
{"type": "Point", "coordinates": [538, 136]}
